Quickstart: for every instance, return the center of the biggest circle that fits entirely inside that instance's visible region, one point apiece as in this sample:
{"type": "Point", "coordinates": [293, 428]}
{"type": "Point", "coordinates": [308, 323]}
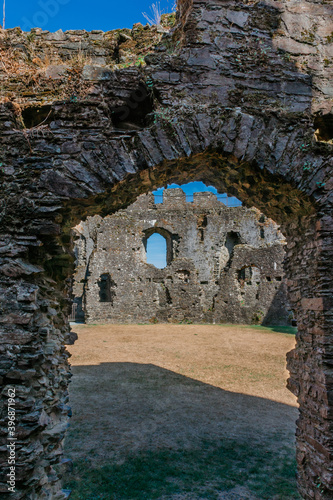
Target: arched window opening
{"type": "Point", "coordinates": [157, 250]}
{"type": "Point", "coordinates": [106, 288]}
{"type": "Point", "coordinates": [231, 241]}
{"type": "Point", "coordinates": [184, 275]}
{"type": "Point", "coordinates": [160, 246]}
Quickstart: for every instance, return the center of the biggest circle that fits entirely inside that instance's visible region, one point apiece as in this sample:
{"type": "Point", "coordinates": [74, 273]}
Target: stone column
{"type": "Point", "coordinates": [34, 372]}
{"type": "Point", "coordinates": [310, 258]}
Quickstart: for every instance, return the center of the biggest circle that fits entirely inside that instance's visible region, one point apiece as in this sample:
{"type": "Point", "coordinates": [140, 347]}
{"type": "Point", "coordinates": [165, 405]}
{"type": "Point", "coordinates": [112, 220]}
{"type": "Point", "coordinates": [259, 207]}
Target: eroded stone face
{"type": "Point", "coordinates": [230, 100]}
{"type": "Point", "coordinates": [223, 264]}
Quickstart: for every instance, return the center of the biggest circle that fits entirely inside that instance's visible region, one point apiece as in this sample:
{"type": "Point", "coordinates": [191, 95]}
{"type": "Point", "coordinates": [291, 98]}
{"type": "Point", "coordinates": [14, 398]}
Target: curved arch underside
{"type": "Point", "coordinates": [224, 99]}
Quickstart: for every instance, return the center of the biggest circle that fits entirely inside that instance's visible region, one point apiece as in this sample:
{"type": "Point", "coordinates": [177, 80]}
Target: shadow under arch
{"type": "Point", "coordinates": [239, 114]}
{"type": "Point", "coordinates": [271, 193]}
{"type": "Point", "coordinates": [160, 432]}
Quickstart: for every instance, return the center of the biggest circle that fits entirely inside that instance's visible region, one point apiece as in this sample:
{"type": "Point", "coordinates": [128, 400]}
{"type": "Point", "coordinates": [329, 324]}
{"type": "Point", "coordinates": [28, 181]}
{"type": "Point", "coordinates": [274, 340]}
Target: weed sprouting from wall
{"type": "Point", "coordinates": [4, 14]}
{"type": "Point", "coordinates": [156, 16]}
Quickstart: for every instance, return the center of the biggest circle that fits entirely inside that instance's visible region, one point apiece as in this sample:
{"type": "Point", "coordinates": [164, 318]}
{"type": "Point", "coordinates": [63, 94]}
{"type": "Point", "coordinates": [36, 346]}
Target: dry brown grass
{"type": "Point", "coordinates": [143, 394]}
{"type": "Point", "coordinates": [247, 360]}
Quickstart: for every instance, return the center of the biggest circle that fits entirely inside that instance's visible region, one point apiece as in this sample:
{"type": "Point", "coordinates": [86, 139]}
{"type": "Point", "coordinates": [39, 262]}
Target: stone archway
{"type": "Point", "coordinates": [216, 118]}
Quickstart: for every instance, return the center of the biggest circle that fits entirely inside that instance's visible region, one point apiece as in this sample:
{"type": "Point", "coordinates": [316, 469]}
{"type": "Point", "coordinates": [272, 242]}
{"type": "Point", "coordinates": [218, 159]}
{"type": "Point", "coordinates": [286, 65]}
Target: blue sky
{"type": "Point", "coordinates": [156, 244]}
{"type": "Point", "coordinates": [156, 251]}
{"type": "Point", "coordinates": [90, 15]}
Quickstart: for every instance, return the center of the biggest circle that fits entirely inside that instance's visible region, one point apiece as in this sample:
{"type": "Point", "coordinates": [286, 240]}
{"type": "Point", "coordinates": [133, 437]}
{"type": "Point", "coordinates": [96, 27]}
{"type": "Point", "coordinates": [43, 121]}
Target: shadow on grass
{"type": "Point", "coordinates": [181, 438]}
{"type": "Point", "coordinates": [202, 473]}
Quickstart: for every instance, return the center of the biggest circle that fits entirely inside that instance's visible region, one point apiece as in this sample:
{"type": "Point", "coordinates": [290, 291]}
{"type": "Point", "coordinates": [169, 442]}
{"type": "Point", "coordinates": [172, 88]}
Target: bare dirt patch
{"type": "Point", "coordinates": [207, 402]}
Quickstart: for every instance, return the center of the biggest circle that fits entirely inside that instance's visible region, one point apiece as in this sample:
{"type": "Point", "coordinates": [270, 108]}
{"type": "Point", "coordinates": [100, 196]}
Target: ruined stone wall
{"type": "Point", "coordinates": [238, 95]}
{"type": "Point", "coordinates": [39, 67]}
{"type": "Point", "coordinates": [223, 264]}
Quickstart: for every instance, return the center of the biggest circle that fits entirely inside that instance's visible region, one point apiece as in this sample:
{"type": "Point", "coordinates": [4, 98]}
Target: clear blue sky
{"type": "Point", "coordinates": [156, 251]}
{"type": "Point", "coordinates": [90, 15]}
{"type": "Point", "coordinates": [156, 244]}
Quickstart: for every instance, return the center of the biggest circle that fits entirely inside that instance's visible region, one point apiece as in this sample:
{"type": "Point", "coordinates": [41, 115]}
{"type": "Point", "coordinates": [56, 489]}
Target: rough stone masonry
{"type": "Point", "coordinates": [224, 265]}
{"type": "Point", "coordinates": [238, 95]}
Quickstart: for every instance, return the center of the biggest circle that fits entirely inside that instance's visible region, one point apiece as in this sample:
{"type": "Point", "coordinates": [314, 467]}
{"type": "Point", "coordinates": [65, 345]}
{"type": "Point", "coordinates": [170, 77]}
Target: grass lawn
{"type": "Point", "coordinates": [181, 412]}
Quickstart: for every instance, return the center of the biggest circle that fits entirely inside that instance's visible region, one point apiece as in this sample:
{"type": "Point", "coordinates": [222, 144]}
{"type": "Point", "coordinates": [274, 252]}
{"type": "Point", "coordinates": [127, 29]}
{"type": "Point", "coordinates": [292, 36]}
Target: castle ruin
{"type": "Point", "coordinates": [224, 265]}
{"type": "Point", "coordinates": [237, 95]}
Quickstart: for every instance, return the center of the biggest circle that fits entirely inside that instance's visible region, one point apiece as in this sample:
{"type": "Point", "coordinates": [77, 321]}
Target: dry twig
{"type": "Point", "coordinates": [155, 19]}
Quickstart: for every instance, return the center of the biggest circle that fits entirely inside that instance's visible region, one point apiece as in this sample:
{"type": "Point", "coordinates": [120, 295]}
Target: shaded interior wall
{"type": "Point", "coordinates": [226, 109]}
{"type": "Point", "coordinates": [204, 281]}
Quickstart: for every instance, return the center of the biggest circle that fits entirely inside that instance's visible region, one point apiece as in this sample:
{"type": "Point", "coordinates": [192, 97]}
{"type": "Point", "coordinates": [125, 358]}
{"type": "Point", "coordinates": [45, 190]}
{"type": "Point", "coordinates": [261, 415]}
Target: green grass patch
{"type": "Point", "coordinates": [201, 472]}
{"type": "Point", "coordinates": [290, 330]}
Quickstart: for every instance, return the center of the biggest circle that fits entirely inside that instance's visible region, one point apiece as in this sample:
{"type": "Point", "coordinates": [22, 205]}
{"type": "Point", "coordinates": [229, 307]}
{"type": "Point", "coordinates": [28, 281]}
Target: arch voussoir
{"type": "Point", "coordinates": [232, 98]}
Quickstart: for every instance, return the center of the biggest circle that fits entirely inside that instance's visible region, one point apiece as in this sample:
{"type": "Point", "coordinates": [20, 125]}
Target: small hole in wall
{"type": "Point", "coordinates": [133, 112]}
{"type": "Point", "coordinates": [202, 221]}
{"type": "Point", "coordinates": [33, 116]}
{"type": "Point", "coordinates": [262, 233]}
{"type": "Point", "coordinates": [168, 296]}
{"type": "Point", "coordinates": [268, 278]}
{"type": "Point", "coordinates": [183, 275]}
{"type": "Point", "coordinates": [245, 274]}
{"type": "Point", "coordinates": [323, 125]}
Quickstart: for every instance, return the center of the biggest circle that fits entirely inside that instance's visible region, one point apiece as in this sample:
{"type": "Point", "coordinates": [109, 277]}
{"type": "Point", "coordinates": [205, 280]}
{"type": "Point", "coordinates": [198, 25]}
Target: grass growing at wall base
{"type": "Point", "coordinates": [202, 473]}
{"type": "Point", "coordinates": [291, 330]}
